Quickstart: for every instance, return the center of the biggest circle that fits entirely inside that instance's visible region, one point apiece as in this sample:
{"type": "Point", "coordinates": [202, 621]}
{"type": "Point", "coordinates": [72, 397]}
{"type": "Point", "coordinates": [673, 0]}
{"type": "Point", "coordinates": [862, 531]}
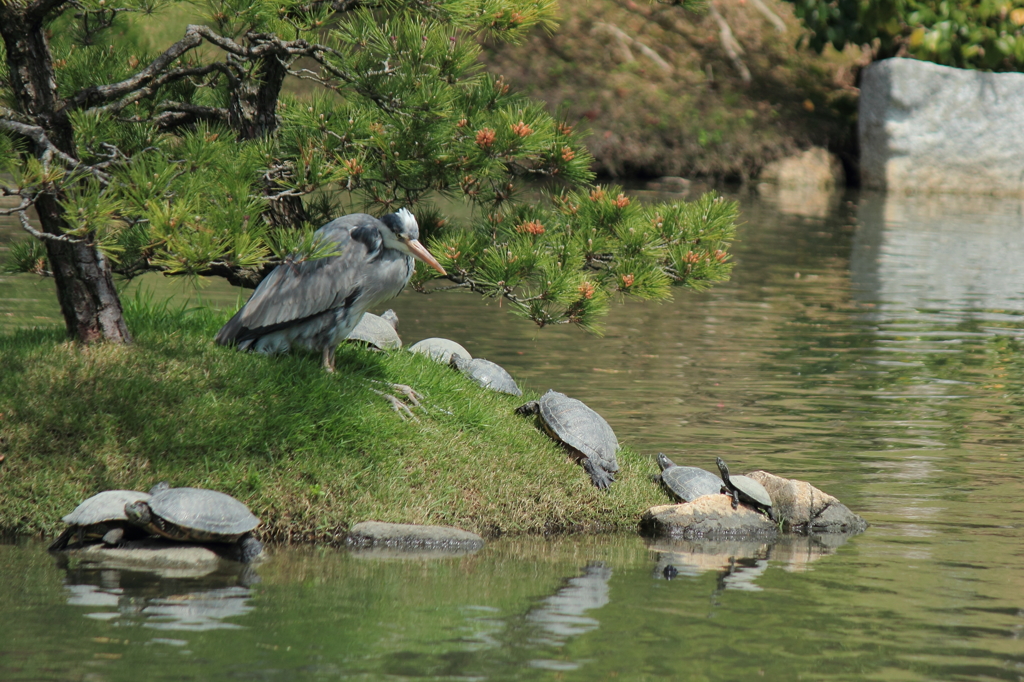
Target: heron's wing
{"type": "Point", "coordinates": [295, 291]}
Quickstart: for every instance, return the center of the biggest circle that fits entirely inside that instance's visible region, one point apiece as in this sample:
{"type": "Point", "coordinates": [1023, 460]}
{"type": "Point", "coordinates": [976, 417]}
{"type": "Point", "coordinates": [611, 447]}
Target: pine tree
{"type": "Point", "coordinates": [193, 162]}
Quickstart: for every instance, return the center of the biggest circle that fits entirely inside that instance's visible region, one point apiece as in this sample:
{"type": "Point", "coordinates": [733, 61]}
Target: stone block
{"type": "Point", "coordinates": [930, 128]}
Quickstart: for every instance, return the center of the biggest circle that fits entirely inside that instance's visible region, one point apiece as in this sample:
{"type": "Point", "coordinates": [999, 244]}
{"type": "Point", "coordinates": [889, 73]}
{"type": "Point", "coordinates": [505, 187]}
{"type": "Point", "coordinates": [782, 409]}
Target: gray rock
{"type": "Point", "coordinates": [805, 509]}
{"type": "Point", "coordinates": [375, 534]}
{"type": "Point", "coordinates": [930, 128]}
{"type": "Point", "coordinates": [166, 557]}
{"type": "Point", "coordinates": [169, 560]}
{"type": "Point", "coordinates": [711, 516]}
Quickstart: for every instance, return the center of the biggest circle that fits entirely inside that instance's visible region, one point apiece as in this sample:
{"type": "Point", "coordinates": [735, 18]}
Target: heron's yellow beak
{"type": "Point", "coordinates": [420, 251]}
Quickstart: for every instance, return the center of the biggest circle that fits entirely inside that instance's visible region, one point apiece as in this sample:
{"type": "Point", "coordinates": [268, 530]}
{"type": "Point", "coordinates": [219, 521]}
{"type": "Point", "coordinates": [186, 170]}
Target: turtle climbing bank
{"type": "Point", "coordinates": [585, 433]}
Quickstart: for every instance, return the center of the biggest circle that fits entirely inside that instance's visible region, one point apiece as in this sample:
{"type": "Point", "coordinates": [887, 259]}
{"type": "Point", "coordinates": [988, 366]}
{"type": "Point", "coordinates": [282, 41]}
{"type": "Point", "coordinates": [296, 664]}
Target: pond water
{"type": "Point", "coordinates": [871, 346]}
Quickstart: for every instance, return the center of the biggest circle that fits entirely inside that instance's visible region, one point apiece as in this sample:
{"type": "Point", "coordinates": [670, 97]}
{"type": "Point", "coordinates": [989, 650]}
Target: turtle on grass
{"type": "Point", "coordinates": [585, 433]}
{"type": "Point", "coordinates": [377, 331]}
{"type": "Point", "coordinates": [746, 489]}
{"type": "Point", "coordinates": [487, 374]}
{"type": "Point", "coordinates": [102, 516]}
{"type": "Point", "coordinates": [197, 515]}
{"type": "Point", "coordinates": [687, 483]}
{"type": "Point", "coordinates": [439, 350]}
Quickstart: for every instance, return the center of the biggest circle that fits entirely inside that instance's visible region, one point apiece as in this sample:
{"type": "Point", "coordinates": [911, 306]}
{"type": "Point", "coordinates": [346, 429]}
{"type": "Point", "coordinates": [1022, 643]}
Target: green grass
{"type": "Point", "coordinates": [310, 453]}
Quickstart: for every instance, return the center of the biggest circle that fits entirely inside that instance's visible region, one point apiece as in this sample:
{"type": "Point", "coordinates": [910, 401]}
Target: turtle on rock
{"type": "Point", "coordinates": [102, 516]}
{"type": "Point", "coordinates": [746, 489]}
{"type": "Point", "coordinates": [585, 433]}
{"type": "Point", "coordinates": [687, 483]}
{"type": "Point", "coordinates": [197, 515]}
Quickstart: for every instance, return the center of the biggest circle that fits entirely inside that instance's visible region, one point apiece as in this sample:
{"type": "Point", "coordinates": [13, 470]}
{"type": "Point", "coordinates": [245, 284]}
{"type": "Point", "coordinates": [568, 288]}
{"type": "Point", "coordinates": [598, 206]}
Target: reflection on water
{"type": "Point", "coordinates": [943, 258]}
{"type": "Point", "coordinates": [563, 614]}
{"type": "Point", "coordinates": [874, 352]}
{"type": "Point", "coordinates": [129, 598]}
{"type": "Point", "coordinates": [739, 563]}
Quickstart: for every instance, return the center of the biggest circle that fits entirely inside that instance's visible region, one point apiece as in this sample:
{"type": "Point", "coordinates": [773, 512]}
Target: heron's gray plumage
{"type": "Point", "coordinates": [315, 304]}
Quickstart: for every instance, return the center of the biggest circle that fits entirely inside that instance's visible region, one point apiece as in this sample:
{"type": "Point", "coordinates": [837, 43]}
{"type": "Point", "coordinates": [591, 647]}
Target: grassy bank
{"type": "Point", "coordinates": [310, 453]}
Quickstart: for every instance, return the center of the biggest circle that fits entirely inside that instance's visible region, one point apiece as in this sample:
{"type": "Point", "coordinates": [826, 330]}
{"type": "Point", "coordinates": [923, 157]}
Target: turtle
{"type": "Point", "coordinates": [377, 331]}
{"type": "Point", "coordinates": [746, 489]}
{"type": "Point", "coordinates": [486, 373]}
{"type": "Point", "coordinates": [100, 516]}
{"type": "Point", "coordinates": [196, 515]}
{"type": "Point", "coordinates": [440, 350]}
{"type": "Point", "coordinates": [687, 483]}
{"type": "Point", "coordinates": [588, 437]}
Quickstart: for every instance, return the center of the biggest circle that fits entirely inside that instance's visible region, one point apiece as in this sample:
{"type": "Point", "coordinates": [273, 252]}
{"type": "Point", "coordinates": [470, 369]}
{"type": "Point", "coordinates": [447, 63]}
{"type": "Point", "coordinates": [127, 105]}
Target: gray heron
{"type": "Point", "coordinates": [314, 304]}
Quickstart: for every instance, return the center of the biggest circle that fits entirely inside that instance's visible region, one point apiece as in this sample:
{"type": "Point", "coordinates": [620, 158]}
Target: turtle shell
{"type": "Point", "coordinates": [376, 331]}
{"type": "Point", "coordinates": [202, 515]}
{"type": "Point", "coordinates": [573, 423]}
{"type": "Point", "coordinates": [104, 507]}
{"type": "Point", "coordinates": [751, 490]}
{"type": "Point", "coordinates": [688, 483]}
{"type": "Point", "coordinates": [489, 375]}
{"type": "Point", "coordinates": [439, 350]}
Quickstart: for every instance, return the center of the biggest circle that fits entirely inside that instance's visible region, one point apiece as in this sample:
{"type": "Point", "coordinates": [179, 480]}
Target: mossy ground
{"type": "Point", "coordinates": [310, 453]}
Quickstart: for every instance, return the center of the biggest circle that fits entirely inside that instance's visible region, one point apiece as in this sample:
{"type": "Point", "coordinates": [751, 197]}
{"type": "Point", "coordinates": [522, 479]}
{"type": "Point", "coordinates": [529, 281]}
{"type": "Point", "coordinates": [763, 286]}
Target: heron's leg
{"type": "Point", "coordinates": [401, 408]}
{"type": "Point", "coordinates": [328, 362]}
{"type": "Point", "coordinates": [409, 393]}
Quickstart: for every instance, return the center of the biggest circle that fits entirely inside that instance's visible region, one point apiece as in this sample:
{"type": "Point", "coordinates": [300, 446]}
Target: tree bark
{"type": "Point", "coordinates": [85, 285]}
{"type": "Point", "coordinates": [252, 114]}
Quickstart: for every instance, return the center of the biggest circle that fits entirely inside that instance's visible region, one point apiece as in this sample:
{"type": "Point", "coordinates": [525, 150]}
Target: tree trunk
{"type": "Point", "coordinates": [252, 114]}
{"type": "Point", "coordinates": [85, 284]}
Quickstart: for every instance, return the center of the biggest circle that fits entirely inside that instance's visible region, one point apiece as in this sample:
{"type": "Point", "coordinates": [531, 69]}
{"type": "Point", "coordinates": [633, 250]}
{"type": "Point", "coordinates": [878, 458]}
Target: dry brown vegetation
{"type": "Point", "coordinates": [661, 95]}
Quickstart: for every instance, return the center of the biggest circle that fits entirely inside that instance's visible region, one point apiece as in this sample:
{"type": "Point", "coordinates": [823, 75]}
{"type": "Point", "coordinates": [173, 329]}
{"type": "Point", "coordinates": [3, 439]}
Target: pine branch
{"type": "Point", "coordinates": [177, 114]}
{"type": "Point", "coordinates": [50, 150]}
{"type": "Point", "coordinates": [26, 201]}
{"type": "Point", "coordinates": [99, 94]}
{"type": "Point", "coordinates": [25, 225]}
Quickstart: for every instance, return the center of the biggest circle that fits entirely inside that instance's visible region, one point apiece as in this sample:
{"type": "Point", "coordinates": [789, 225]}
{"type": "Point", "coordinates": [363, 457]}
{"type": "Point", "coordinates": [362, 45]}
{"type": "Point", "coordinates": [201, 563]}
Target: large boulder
{"type": "Point", "coordinates": [804, 184]}
{"type": "Point", "coordinates": [711, 516]}
{"type": "Point", "coordinates": [805, 509]}
{"type": "Point", "coordinates": [930, 128]}
{"type": "Point", "coordinates": [814, 168]}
